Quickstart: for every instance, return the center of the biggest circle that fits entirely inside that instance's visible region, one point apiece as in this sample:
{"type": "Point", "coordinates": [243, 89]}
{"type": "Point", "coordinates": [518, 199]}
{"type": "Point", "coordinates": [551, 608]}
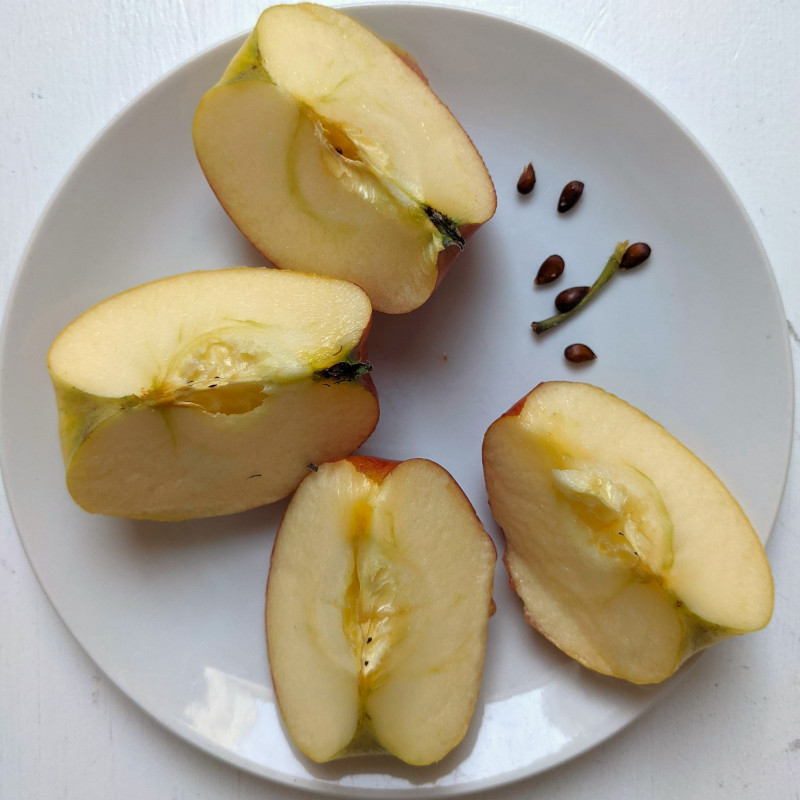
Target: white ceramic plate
{"type": "Point", "coordinates": [173, 612]}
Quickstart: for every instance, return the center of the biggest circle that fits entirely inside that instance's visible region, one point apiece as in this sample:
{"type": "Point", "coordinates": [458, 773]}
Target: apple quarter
{"type": "Point", "coordinates": [210, 392]}
{"type": "Point", "coordinates": [627, 551]}
{"type": "Point", "coordinates": [331, 154]}
{"type": "Point", "coordinates": [377, 606]}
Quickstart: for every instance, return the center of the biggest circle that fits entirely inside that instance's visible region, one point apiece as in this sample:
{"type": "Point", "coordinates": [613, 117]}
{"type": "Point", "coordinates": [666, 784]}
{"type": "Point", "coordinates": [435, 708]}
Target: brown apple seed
{"type": "Point", "coordinates": [527, 180]}
{"type": "Point", "coordinates": [570, 195]}
{"type": "Point", "coordinates": [578, 353]}
{"type": "Point", "coordinates": [635, 255]}
{"type": "Point", "coordinates": [569, 298]}
{"type": "Point", "coordinates": [551, 268]}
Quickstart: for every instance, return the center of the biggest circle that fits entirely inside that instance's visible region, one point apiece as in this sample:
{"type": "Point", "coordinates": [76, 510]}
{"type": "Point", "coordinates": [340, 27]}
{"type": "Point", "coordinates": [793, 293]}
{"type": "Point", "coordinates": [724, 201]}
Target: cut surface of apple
{"type": "Point", "coordinates": [210, 392]}
{"type": "Point", "coordinates": [332, 155]}
{"type": "Point", "coordinates": [627, 551]}
{"type": "Point", "coordinates": [378, 599]}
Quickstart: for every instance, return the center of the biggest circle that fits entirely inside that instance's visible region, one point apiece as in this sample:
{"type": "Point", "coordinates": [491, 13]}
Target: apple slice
{"type": "Point", "coordinates": [210, 392]}
{"type": "Point", "coordinates": [629, 554]}
{"type": "Point", "coordinates": [332, 155]}
{"type": "Point", "coordinates": [378, 599]}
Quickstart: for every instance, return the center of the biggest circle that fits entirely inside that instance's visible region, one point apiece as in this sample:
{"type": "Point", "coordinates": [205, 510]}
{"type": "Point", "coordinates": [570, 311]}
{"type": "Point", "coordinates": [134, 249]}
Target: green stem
{"type": "Point", "coordinates": [610, 268]}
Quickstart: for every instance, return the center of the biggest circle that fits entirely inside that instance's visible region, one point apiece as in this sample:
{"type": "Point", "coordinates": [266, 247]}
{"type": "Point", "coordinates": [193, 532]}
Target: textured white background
{"type": "Point", "coordinates": [729, 71]}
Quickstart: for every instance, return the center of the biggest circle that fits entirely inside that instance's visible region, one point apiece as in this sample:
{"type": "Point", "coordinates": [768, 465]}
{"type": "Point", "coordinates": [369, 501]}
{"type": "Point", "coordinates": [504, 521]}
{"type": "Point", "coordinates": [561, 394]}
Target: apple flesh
{"type": "Point", "coordinates": [332, 155]}
{"type": "Point", "coordinates": [210, 392]}
{"type": "Point", "coordinates": [378, 601]}
{"type": "Point", "coordinates": [628, 553]}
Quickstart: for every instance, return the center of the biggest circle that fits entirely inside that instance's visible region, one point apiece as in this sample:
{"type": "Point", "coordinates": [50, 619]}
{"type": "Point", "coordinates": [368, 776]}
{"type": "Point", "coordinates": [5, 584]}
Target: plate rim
{"type": "Point", "coordinates": [175, 726]}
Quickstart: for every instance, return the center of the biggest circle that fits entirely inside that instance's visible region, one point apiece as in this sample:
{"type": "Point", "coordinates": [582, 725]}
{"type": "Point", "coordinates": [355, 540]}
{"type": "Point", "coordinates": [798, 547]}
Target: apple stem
{"type": "Point", "coordinates": [343, 371]}
{"type": "Point", "coordinates": [610, 268]}
{"type": "Point", "coordinates": [445, 226]}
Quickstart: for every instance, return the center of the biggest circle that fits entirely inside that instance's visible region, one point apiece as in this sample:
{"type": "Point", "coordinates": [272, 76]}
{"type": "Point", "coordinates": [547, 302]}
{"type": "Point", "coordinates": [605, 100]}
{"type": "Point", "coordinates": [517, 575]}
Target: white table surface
{"type": "Point", "coordinates": [729, 71]}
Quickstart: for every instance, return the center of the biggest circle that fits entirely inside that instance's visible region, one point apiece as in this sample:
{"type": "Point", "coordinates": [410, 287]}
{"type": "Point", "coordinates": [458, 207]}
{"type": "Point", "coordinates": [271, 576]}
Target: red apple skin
{"type": "Point", "coordinates": [408, 60]}
{"type": "Point", "coordinates": [516, 409]}
{"type": "Point", "coordinates": [376, 469]}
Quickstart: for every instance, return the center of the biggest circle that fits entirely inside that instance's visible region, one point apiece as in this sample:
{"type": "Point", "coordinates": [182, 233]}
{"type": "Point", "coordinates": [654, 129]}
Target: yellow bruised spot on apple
{"type": "Point", "coordinates": [627, 551]}
{"type": "Point", "coordinates": [210, 392]}
{"type": "Point", "coordinates": [377, 608]}
{"type": "Point", "coordinates": [331, 154]}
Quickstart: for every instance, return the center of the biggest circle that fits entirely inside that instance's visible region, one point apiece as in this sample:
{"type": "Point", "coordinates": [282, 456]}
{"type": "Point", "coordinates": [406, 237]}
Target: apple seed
{"type": "Point", "coordinates": [527, 180]}
{"type": "Point", "coordinates": [569, 298]}
{"type": "Point", "coordinates": [551, 268]}
{"type": "Point", "coordinates": [636, 254]}
{"type": "Point", "coordinates": [578, 353]}
{"type": "Point", "coordinates": [570, 195]}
